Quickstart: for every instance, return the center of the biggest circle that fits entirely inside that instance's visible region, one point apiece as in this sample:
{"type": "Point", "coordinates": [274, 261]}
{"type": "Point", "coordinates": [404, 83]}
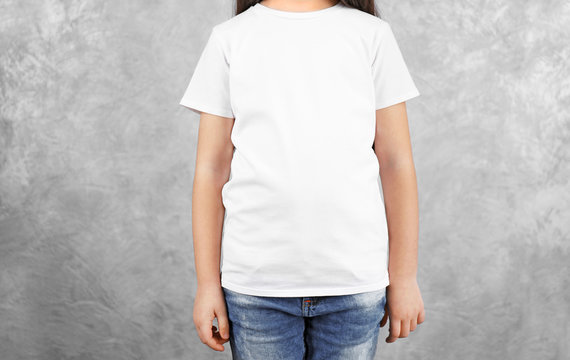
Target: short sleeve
{"type": "Point", "coordinates": [208, 90]}
{"type": "Point", "coordinates": [393, 83]}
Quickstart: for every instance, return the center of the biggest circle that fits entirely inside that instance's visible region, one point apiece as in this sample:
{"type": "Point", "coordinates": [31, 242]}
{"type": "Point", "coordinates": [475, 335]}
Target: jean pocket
{"type": "Point", "coordinates": [370, 298]}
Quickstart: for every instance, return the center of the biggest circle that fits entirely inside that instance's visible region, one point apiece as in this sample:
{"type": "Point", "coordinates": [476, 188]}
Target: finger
{"type": "Point", "coordinates": [218, 337]}
{"type": "Point", "coordinates": [384, 319]}
{"type": "Point", "coordinates": [422, 316]}
{"type": "Point", "coordinates": [394, 330]}
{"type": "Point", "coordinates": [405, 328]}
{"type": "Point", "coordinates": [214, 344]}
{"type": "Point", "coordinates": [223, 324]}
{"type": "Point", "coordinates": [204, 331]}
{"type": "Point", "coordinates": [413, 324]}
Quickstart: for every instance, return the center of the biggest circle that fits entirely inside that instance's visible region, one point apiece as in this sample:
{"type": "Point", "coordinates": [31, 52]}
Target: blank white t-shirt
{"type": "Point", "coordinates": [304, 209]}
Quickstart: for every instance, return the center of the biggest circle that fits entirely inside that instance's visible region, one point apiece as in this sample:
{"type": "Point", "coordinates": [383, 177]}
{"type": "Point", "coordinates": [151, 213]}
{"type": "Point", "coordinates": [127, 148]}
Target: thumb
{"type": "Point", "coordinates": [223, 325]}
{"type": "Point", "coordinates": [384, 319]}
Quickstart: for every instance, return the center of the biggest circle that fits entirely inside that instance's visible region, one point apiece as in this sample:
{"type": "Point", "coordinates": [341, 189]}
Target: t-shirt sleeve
{"type": "Point", "coordinates": [208, 90]}
{"type": "Point", "coordinates": [393, 83]}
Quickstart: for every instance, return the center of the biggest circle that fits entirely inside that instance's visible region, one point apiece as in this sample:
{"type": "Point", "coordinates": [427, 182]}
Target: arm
{"type": "Point", "coordinates": [213, 159]}
{"type": "Point", "coordinates": [392, 146]}
{"type": "Point", "coordinates": [393, 149]}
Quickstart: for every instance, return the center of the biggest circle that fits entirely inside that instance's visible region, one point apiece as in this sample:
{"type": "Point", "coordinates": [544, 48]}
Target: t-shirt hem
{"type": "Point", "coordinates": [298, 292]}
{"type": "Point", "coordinates": [207, 108]}
{"type": "Point", "coordinates": [397, 99]}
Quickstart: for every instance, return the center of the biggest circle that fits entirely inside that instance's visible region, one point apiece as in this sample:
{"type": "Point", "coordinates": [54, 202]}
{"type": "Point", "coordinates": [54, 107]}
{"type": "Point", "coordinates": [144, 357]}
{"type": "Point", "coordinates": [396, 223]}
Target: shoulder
{"type": "Point", "coordinates": [368, 26]}
{"type": "Point", "coordinates": [233, 25]}
{"type": "Point", "coordinates": [371, 30]}
{"type": "Point", "coordinates": [363, 18]}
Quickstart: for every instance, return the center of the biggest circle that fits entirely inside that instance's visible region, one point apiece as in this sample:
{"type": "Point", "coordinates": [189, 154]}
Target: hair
{"type": "Point", "coordinates": [363, 5]}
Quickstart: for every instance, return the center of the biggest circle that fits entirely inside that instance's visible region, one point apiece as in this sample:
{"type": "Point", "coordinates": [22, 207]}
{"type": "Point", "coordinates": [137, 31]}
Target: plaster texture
{"type": "Point", "coordinates": [97, 160]}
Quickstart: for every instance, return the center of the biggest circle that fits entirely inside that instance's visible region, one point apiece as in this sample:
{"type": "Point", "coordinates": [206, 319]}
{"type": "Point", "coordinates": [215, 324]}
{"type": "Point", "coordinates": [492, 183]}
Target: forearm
{"type": "Point", "coordinates": [399, 186]}
{"type": "Point", "coordinates": [207, 222]}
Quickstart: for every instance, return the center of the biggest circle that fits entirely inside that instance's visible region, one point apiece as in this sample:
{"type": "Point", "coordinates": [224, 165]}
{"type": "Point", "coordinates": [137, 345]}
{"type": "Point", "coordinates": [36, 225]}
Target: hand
{"type": "Point", "coordinates": [209, 304]}
{"type": "Point", "coordinates": [404, 306]}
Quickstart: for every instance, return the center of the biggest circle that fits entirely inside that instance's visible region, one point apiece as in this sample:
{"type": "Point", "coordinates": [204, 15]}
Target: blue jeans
{"type": "Point", "coordinates": [319, 327]}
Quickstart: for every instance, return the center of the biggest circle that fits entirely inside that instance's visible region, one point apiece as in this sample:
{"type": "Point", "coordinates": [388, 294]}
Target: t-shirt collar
{"type": "Point", "coordinates": [295, 14]}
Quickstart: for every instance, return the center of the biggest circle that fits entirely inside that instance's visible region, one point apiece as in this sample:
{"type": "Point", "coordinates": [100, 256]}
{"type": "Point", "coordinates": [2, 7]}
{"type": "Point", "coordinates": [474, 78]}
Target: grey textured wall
{"type": "Point", "coordinates": [96, 166]}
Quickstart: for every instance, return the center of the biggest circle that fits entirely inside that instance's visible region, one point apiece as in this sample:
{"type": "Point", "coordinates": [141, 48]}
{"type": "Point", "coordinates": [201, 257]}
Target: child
{"type": "Point", "coordinates": [304, 176]}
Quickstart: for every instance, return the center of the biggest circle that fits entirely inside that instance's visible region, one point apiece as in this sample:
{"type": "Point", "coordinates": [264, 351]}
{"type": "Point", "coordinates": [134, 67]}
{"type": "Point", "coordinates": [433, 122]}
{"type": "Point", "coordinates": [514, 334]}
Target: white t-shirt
{"type": "Point", "coordinates": [304, 206]}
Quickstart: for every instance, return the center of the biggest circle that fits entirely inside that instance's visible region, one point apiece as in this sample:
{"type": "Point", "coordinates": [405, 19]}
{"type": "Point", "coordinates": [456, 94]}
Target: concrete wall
{"type": "Point", "coordinates": [96, 166]}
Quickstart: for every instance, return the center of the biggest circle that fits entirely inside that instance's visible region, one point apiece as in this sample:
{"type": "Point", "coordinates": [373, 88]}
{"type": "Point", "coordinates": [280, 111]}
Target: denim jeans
{"type": "Point", "coordinates": [321, 327]}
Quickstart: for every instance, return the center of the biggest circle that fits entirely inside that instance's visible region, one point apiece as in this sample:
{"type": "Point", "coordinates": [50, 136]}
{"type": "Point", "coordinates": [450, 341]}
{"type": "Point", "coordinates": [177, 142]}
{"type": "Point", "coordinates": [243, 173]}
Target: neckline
{"type": "Point", "coordinates": [296, 14]}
